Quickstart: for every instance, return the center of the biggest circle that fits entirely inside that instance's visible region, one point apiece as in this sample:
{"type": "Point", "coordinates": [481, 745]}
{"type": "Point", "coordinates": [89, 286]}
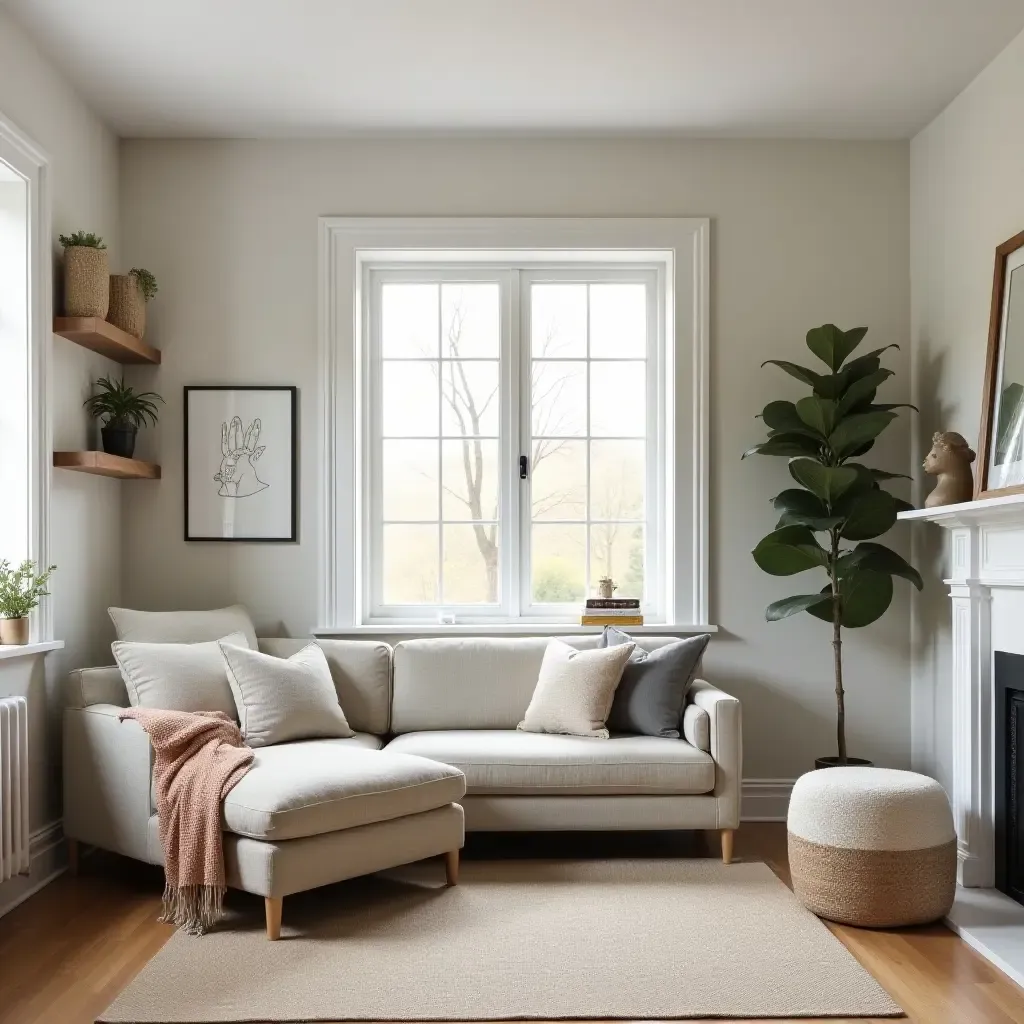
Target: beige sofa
{"type": "Point", "coordinates": [435, 745]}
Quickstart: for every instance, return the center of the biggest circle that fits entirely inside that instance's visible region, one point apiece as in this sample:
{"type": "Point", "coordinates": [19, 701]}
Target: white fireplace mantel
{"type": "Point", "coordinates": [986, 556]}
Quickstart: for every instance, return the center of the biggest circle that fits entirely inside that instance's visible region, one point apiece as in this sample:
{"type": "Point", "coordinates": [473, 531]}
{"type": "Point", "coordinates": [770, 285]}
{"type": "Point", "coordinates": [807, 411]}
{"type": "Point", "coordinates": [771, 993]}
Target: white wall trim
{"type": "Point", "coordinates": [766, 799]}
{"type": "Point", "coordinates": [346, 243]}
{"type": "Point", "coordinates": [47, 860]}
{"type": "Point", "coordinates": [34, 165]}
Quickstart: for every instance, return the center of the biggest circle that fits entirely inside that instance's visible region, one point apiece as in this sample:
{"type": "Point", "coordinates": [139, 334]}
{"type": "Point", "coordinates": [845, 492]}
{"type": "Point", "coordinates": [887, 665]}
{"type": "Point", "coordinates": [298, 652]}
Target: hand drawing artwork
{"type": "Point", "coordinates": [241, 442]}
{"type": "Point", "coordinates": [237, 475]}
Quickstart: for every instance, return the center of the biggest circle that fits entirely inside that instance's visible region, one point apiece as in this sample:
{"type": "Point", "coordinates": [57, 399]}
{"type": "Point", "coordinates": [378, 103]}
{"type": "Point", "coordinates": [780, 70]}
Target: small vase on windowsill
{"type": "Point", "coordinates": [14, 631]}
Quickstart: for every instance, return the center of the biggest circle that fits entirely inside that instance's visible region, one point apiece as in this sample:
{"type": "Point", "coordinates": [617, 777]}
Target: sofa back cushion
{"type": "Point", "coordinates": [472, 682]}
{"type": "Point", "coordinates": [182, 627]}
{"type": "Point", "coordinates": [361, 670]}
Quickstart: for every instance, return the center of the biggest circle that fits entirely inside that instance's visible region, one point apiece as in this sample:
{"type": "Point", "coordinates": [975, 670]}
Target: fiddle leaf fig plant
{"type": "Point", "coordinates": [838, 501]}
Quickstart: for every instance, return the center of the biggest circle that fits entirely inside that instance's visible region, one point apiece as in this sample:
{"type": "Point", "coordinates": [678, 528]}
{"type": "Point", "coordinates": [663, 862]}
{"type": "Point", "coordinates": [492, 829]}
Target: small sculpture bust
{"type": "Point", "coordinates": [950, 460]}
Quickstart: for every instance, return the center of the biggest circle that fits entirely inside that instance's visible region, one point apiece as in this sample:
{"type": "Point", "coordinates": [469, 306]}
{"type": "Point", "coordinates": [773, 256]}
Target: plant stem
{"type": "Point", "coordinates": [837, 651]}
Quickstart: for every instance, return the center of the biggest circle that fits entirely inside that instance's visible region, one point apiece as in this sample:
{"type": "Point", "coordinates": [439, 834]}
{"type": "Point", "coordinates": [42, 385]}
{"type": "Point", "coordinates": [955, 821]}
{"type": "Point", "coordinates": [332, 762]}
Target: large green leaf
{"type": "Point", "coordinates": [786, 444]}
{"type": "Point", "coordinates": [782, 416]}
{"type": "Point", "coordinates": [878, 558]}
{"type": "Point", "coordinates": [802, 373]}
{"type": "Point", "coordinates": [817, 413]}
{"type": "Point", "coordinates": [789, 550]}
{"type": "Point", "coordinates": [866, 513]}
{"type": "Point", "coordinates": [903, 506]}
{"type": "Point", "coordinates": [855, 431]}
{"type": "Point", "coordinates": [877, 474]}
{"type": "Point", "coordinates": [793, 605]}
{"type": "Point", "coordinates": [801, 508]}
{"type": "Point", "coordinates": [889, 406]}
{"type": "Point", "coordinates": [864, 597]}
{"type": "Point", "coordinates": [827, 482]}
{"type": "Point", "coordinates": [863, 390]}
{"type": "Point", "coordinates": [832, 345]}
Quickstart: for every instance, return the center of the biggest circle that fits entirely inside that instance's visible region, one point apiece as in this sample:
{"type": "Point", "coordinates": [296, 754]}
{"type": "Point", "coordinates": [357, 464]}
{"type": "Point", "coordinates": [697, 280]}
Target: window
{"type": "Point", "coordinates": [513, 434]}
{"type": "Point", "coordinates": [25, 324]}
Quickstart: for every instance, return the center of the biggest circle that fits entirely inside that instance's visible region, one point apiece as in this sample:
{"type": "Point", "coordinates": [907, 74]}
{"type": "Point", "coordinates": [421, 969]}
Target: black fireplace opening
{"type": "Point", "coordinates": [1009, 749]}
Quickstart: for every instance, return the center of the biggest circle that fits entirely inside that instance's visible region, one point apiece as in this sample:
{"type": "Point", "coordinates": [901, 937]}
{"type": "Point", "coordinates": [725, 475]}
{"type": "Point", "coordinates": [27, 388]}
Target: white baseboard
{"type": "Point", "coordinates": [47, 859]}
{"type": "Point", "coordinates": [766, 799]}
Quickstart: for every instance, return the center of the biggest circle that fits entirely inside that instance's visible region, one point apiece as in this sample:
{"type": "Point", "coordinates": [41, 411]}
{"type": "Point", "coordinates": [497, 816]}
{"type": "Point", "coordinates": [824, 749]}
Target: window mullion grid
{"type": "Point", "coordinates": [440, 449]}
{"type": "Point", "coordinates": [586, 540]}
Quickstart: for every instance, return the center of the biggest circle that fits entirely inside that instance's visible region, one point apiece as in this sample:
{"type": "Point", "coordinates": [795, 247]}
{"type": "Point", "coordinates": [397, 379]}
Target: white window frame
{"type": "Point", "coordinates": [676, 248]}
{"type": "Point", "coordinates": [33, 165]}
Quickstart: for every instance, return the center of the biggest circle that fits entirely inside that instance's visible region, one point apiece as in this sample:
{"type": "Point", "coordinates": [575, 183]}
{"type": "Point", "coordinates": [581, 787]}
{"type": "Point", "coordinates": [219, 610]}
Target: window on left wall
{"type": "Point", "coordinates": [26, 313]}
{"type": "Point", "coordinates": [15, 346]}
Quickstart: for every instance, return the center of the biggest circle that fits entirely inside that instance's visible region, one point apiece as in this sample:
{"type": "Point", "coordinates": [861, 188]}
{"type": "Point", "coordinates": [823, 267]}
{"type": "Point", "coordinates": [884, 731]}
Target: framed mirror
{"type": "Point", "coordinates": [1001, 441]}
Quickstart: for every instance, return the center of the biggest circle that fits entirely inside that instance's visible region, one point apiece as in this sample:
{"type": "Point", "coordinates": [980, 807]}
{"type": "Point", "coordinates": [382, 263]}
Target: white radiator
{"type": "Point", "coordinates": [14, 859]}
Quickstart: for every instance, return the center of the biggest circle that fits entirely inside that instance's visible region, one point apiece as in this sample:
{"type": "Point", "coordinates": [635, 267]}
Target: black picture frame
{"type": "Point", "coordinates": [291, 536]}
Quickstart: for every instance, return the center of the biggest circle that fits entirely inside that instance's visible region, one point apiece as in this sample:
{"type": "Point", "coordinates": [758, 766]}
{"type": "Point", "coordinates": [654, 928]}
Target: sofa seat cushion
{"type": "Point", "coordinates": [513, 762]}
{"type": "Point", "coordinates": [317, 786]}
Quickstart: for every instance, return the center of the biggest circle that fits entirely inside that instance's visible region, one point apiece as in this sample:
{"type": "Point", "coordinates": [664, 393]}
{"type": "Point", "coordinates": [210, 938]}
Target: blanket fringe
{"type": "Point", "coordinates": [195, 909]}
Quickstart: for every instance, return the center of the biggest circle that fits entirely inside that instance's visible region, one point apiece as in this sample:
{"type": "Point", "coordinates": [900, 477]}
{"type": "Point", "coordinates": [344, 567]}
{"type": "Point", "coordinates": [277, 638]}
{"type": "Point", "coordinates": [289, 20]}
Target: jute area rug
{"type": "Point", "coordinates": [516, 940]}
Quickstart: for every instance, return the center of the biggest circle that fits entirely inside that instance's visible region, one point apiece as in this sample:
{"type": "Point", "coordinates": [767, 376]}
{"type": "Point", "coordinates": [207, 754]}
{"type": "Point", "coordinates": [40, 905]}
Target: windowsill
{"type": "Point", "coordinates": [503, 629]}
{"type": "Point", "coordinates": [26, 650]}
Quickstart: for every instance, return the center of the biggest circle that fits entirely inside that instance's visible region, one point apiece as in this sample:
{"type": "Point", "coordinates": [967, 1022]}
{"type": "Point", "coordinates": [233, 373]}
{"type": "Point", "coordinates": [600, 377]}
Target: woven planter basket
{"type": "Point", "coordinates": [86, 281]}
{"type": "Point", "coordinates": [127, 304]}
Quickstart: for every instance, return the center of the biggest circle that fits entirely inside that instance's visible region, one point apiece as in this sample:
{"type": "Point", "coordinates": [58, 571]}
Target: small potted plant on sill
{"type": "Point", "coordinates": [123, 410]}
{"type": "Point", "coordinates": [86, 275]}
{"type": "Point", "coordinates": [129, 294]}
{"type": "Point", "coordinates": [20, 591]}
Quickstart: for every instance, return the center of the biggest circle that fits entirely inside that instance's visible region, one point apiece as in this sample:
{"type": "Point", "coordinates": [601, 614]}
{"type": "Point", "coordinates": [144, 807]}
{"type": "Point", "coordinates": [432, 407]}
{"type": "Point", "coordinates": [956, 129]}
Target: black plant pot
{"type": "Point", "coordinates": [119, 440]}
{"type": "Point", "coordinates": [834, 762]}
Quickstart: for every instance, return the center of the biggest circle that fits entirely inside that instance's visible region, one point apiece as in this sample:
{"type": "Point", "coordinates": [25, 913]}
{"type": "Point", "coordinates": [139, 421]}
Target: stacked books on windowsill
{"type": "Point", "coordinates": [612, 611]}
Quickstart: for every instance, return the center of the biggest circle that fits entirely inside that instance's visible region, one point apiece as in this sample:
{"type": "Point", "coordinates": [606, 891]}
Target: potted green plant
{"type": "Point", "coordinates": [86, 275]}
{"type": "Point", "coordinates": [20, 591]}
{"type": "Point", "coordinates": [123, 410]}
{"type": "Point", "coordinates": [129, 294]}
{"type": "Point", "coordinates": [837, 498]}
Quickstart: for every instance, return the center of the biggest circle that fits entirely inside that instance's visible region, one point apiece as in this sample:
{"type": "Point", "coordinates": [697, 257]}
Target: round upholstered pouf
{"type": "Point", "coordinates": [872, 846]}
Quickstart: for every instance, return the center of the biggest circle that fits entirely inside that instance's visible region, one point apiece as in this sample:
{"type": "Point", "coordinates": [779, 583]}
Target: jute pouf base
{"type": "Point", "coordinates": [872, 847]}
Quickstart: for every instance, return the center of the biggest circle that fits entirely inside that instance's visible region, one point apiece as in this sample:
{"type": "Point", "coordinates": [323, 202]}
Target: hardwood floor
{"type": "Point", "coordinates": [67, 951]}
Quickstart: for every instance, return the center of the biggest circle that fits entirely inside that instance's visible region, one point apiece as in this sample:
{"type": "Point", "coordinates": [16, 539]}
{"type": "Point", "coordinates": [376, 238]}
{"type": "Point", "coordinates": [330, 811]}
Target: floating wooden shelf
{"type": "Point", "coordinates": [93, 333]}
{"type": "Point", "coordinates": [102, 464]}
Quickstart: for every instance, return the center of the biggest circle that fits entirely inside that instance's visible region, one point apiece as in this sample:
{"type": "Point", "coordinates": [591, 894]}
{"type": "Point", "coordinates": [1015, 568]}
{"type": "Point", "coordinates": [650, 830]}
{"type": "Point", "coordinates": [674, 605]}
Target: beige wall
{"type": "Point", "coordinates": [85, 511]}
{"type": "Point", "coordinates": [966, 172]}
{"type": "Point", "coordinates": [803, 233]}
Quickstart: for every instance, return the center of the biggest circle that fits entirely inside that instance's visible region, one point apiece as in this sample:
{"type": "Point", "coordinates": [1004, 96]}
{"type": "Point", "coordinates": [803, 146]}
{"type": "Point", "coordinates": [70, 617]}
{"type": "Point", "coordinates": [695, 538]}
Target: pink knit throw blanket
{"type": "Point", "coordinates": [198, 759]}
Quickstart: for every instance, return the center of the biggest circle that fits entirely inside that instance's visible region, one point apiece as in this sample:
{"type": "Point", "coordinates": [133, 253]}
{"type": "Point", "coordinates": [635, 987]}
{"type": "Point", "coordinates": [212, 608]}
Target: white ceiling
{"type": "Point", "coordinates": [789, 68]}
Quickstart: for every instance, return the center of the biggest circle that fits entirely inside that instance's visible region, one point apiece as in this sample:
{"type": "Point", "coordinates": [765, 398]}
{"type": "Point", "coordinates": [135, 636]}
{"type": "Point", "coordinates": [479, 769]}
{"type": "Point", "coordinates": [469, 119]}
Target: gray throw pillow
{"type": "Point", "coordinates": [651, 696]}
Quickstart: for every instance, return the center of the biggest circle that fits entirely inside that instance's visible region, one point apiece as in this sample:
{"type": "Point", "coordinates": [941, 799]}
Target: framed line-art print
{"type": "Point", "coordinates": [241, 464]}
{"type": "Point", "coordinates": [1001, 440]}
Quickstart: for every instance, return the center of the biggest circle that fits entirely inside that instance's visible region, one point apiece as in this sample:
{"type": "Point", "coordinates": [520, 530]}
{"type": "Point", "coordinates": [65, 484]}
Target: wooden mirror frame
{"type": "Point", "coordinates": [988, 396]}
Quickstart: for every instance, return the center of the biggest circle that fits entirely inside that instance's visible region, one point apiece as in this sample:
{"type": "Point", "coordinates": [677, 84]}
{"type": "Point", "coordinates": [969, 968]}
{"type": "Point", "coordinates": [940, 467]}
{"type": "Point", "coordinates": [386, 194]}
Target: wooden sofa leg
{"type": "Point", "coordinates": [273, 907]}
{"type": "Point", "coordinates": [727, 834]}
{"type": "Point", "coordinates": [73, 858]}
{"type": "Point", "coordinates": [451, 867]}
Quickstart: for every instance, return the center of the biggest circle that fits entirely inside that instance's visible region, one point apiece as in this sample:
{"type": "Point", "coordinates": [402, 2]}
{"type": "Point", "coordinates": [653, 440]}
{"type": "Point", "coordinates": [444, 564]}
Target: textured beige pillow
{"type": "Point", "coordinates": [575, 690]}
{"type": "Point", "coordinates": [282, 699]}
{"type": "Point", "coordinates": [175, 676]}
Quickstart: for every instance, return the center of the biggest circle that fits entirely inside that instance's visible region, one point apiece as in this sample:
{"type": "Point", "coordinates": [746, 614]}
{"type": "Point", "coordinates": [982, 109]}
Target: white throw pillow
{"type": "Point", "coordinates": [283, 699]}
{"type": "Point", "coordinates": [575, 690]}
{"type": "Point", "coordinates": [185, 627]}
{"type": "Point", "coordinates": [176, 677]}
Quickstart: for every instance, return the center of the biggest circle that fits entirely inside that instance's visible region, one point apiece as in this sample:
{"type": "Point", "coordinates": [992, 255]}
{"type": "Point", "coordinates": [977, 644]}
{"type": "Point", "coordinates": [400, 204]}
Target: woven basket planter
{"type": "Point", "coordinates": [127, 304]}
{"type": "Point", "coordinates": [86, 281]}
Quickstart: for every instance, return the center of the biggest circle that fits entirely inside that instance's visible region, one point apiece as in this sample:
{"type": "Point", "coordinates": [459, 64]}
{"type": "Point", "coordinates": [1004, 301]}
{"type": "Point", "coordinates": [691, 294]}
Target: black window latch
{"type": "Point", "coordinates": [524, 467]}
